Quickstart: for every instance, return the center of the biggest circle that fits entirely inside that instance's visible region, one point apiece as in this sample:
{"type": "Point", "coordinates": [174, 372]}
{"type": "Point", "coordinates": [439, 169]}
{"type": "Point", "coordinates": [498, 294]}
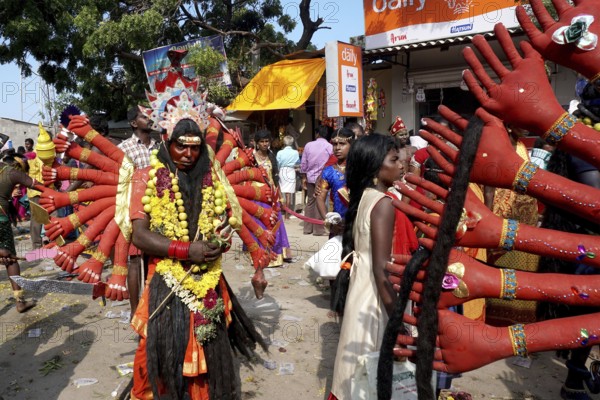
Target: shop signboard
{"type": "Point", "coordinates": [390, 23]}
{"type": "Point", "coordinates": [344, 80]}
{"type": "Point", "coordinates": [158, 62]}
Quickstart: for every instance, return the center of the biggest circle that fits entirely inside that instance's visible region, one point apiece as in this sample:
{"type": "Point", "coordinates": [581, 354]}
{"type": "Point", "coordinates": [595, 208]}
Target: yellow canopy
{"type": "Point", "coordinates": [283, 85]}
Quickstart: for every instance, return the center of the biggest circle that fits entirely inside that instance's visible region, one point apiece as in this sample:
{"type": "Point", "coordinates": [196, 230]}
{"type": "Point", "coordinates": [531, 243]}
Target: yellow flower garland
{"type": "Point", "coordinates": [173, 272]}
{"type": "Point", "coordinates": [168, 219]}
{"type": "Point", "coordinates": [164, 217]}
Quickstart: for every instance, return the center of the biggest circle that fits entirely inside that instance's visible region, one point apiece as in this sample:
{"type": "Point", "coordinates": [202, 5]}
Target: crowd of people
{"type": "Point", "coordinates": [446, 236]}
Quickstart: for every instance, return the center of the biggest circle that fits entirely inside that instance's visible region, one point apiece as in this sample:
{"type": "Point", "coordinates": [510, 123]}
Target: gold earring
{"type": "Point", "coordinates": [375, 181]}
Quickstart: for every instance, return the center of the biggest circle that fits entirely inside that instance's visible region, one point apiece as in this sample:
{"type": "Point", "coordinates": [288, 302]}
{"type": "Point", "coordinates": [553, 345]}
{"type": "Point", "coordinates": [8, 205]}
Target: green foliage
{"type": "Point", "coordinates": [93, 48]}
{"type": "Point", "coordinates": [207, 62]}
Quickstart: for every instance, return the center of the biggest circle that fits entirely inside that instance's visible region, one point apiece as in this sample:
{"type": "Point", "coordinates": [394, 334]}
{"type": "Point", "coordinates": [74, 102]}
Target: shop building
{"type": "Point", "coordinates": [415, 56]}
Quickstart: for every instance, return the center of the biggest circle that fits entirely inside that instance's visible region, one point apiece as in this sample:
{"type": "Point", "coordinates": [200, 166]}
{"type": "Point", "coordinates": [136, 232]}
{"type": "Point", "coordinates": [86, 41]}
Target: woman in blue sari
{"type": "Point", "coordinates": [333, 179]}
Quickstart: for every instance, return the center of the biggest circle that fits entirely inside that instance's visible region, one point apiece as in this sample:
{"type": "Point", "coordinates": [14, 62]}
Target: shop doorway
{"type": "Point", "coordinates": [460, 101]}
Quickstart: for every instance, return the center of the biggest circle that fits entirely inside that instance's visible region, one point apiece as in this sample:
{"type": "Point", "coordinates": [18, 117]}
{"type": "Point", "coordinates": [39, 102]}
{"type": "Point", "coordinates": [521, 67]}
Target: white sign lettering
{"type": "Point", "coordinates": [395, 4]}
{"type": "Point", "coordinates": [349, 55]}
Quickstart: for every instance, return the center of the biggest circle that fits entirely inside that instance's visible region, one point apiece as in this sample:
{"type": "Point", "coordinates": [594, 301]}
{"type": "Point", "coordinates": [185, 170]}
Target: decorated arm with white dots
{"type": "Point", "coordinates": [468, 279]}
{"type": "Point", "coordinates": [486, 343]}
{"type": "Point", "coordinates": [480, 228]}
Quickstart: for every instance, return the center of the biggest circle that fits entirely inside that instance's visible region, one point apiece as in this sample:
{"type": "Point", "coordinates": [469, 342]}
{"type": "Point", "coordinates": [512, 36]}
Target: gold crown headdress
{"type": "Point", "coordinates": [178, 100]}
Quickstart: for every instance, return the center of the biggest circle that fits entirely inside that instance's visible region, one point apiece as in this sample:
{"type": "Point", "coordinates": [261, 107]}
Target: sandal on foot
{"type": "Point", "coordinates": [593, 382]}
{"type": "Point", "coordinates": [573, 394]}
{"type": "Point", "coordinates": [594, 354]}
{"type": "Point", "coordinates": [590, 377]}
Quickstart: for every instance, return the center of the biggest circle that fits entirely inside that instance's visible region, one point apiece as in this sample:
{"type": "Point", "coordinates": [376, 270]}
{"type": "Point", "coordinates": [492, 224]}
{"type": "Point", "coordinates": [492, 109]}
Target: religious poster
{"type": "Point", "coordinates": [159, 61]}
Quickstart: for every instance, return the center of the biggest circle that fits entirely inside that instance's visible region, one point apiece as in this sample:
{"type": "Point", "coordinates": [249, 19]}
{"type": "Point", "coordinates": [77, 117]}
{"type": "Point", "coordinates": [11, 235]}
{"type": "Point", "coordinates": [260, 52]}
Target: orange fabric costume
{"type": "Point", "coordinates": [194, 365]}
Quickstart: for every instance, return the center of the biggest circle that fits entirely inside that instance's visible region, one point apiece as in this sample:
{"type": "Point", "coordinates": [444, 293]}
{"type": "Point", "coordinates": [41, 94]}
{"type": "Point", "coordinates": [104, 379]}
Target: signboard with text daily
{"type": "Point", "coordinates": [400, 22]}
{"type": "Point", "coordinates": [344, 80]}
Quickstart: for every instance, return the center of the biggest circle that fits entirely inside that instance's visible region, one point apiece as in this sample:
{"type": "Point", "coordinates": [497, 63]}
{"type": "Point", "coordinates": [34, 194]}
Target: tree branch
{"type": "Point", "coordinates": [188, 15]}
{"type": "Point", "coordinates": [310, 26]}
{"type": "Point", "coordinates": [259, 42]}
{"type": "Point", "coordinates": [129, 56]}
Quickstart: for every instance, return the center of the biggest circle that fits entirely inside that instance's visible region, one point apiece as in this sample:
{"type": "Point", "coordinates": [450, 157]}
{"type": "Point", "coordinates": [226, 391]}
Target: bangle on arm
{"type": "Point", "coordinates": [179, 250]}
{"type": "Point", "coordinates": [524, 175]}
{"type": "Point", "coordinates": [508, 288]}
{"type": "Point", "coordinates": [518, 340]}
{"type": "Point", "coordinates": [510, 228]}
{"type": "Point", "coordinates": [559, 129]}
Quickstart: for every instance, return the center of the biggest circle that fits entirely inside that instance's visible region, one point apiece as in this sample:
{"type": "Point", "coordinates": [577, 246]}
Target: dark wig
{"type": "Point", "coordinates": [190, 181]}
{"type": "Point", "coordinates": [362, 165]}
{"type": "Point", "coordinates": [428, 320]}
{"type": "Point", "coordinates": [166, 340]}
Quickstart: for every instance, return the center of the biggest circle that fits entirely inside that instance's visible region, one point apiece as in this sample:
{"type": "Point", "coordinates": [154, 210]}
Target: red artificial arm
{"type": "Point", "coordinates": [524, 97]}
{"type": "Point", "coordinates": [264, 214]}
{"type": "Point", "coordinates": [487, 232]}
{"type": "Point", "coordinates": [67, 254]}
{"type": "Point", "coordinates": [496, 164]}
{"type": "Point", "coordinates": [64, 226]}
{"type": "Point", "coordinates": [94, 159]}
{"type": "Point", "coordinates": [80, 125]}
{"type": "Point", "coordinates": [63, 173]}
{"type": "Point", "coordinates": [242, 160]}
{"type": "Point", "coordinates": [483, 281]}
{"type": "Point", "coordinates": [91, 270]}
{"type": "Point", "coordinates": [116, 285]}
{"type": "Point", "coordinates": [52, 200]}
{"type": "Point", "coordinates": [254, 192]}
{"type": "Point", "coordinates": [251, 174]}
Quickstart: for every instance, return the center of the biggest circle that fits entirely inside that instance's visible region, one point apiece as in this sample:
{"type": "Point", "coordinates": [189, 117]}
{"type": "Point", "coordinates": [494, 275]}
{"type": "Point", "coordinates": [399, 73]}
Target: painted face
{"type": "Point", "coordinates": [263, 145]}
{"type": "Point", "coordinates": [341, 147]}
{"type": "Point", "coordinates": [392, 169]}
{"type": "Point", "coordinates": [184, 156]}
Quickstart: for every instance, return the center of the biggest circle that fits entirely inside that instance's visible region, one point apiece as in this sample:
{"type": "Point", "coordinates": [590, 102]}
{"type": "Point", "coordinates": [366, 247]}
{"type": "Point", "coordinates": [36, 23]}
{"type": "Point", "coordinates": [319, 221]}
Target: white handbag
{"type": "Point", "coordinates": [326, 262]}
{"type": "Point", "coordinates": [364, 383]}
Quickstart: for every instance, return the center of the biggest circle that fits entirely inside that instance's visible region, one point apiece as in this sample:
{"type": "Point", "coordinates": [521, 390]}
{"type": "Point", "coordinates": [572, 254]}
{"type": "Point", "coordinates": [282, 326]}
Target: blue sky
{"type": "Point", "coordinates": [344, 17]}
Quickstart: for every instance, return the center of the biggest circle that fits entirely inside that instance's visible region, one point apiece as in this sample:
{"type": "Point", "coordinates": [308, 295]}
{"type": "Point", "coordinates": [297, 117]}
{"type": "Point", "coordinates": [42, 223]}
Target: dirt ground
{"type": "Point", "coordinates": [67, 338]}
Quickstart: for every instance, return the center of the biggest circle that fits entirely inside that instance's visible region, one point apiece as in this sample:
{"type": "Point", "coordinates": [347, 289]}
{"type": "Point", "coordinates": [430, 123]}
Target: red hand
{"type": "Point", "coordinates": [482, 281]}
{"type": "Point", "coordinates": [496, 162]}
{"type": "Point", "coordinates": [586, 63]}
{"type": "Point", "coordinates": [464, 344]}
{"type": "Point", "coordinates": [485, 234]}
{"type": "Point", "coordinates": [524, 96]}
{"type": "Point", "coordinates": [90, 271]}
{"type": "Point", "coordinates": [80, 125]}
{"type": "Point", "coordinates": [116, 288]}
{"type": "Point", "coordinates": [99, 290]}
